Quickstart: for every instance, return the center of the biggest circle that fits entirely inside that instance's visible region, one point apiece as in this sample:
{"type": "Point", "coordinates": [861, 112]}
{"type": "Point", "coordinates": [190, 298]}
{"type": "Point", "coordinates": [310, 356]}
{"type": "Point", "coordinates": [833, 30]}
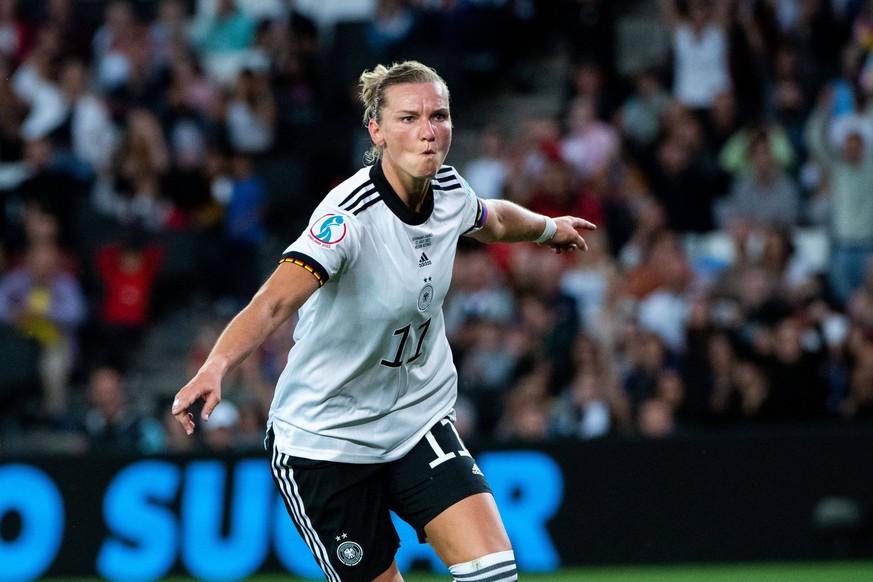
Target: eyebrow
{"type": "Point", "coordinates": [415, 112]}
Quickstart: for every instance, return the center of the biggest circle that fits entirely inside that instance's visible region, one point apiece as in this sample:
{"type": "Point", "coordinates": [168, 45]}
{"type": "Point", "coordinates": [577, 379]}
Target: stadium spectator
{"type": "Point", "coordinates": [127, 272]}
{"type": "Point", "coordinates": [589, 145]}
{"type": "Point", "coordinates": [487, 172]}
{"type": "Point", "coordinates": [722, 121]}
{"type": "Point", "coordinates": [56, 188]}
{"type": "Point", "coordinates": [478, 292]}
{"type": "Point", "coordinates": [487, 368]}
{"type": "Point", "coordinates": [251, 113]}
{"type": "Point", "coordinates": [168, 32]}
{"type": "Point", "coordinates": [859, 400]}
{"type": "Point", "coordinates": [795, 278]}
{"type": "Point", "coordinates": [557, 189]}
{"type": "Point", "coordinates": [533, 146]}
{"type": "Point", "coordinates": [219, 433]}
{"type": "Point", "coordinates": [701, 47]}
{"type": "Point", "coordinates": [111, 422]}
{"type": "Point", "coordinates": [244, 231]}
{"type": "Point", "coordinates": [84, 127]}
{"type": "Point", "coordinates": [860, 305]}
{"type": "Point", "coordinates": [15, 32]}
{"type": "Point", "coordinates": [136, 199]}
{"type": "Point", "coordinates": [647, 357]}
{"type": "Point", "coordinates": [656, 418]}
{"type": "Point", "coordinates": [797, 389]}
{"type": "Point", "coordinates": [527, 407]}
{"type": "Point", "coordinates": [664, 263]}
{"type": "Point", "coordinates": [592, 405]}
{"type": "Point", "coordinates": [37, 72]}
{"type": "Point", "coordinates": [682, 183]}
{"type": "Point", "coordinates": [710, 367]}
{"type": "Point", "coordinates": [589, 31]}
{"type": "Point", "coordinates": [789, 96]}
{"type": "Point", "coordinates": [392, 24]}
{"type": "Point", "coordinates": [117, 45]}
{"type": "Point", "coordinates": [639, 117]}
{"type": "Point", "coordinates": [765, 196]}
{"type": "Point", "coordinates": [191, 90]}
{"type": "Point", "coordinates": [734, 157]}
{"type": "Point", "coordinates": [222, 37]}
{"type": "Point", "coordinates": [548, 315]}
{"type": "Point", "coordinates": [842, 148]}
{"type": "Point", "coordinates": [589, 280]}
{"type": "Point", "coordinates": [44, 302]}
{"type": "Point", "coordinates": [586, 83]}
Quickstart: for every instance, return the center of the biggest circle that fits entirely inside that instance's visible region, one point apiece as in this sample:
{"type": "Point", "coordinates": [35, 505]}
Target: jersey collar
{"type": "Point", "coordinates": [393, 201]}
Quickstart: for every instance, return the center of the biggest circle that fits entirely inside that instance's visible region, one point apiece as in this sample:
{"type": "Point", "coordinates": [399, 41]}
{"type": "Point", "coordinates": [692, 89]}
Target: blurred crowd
{"type": "Point", "coordinates": [161, 156]}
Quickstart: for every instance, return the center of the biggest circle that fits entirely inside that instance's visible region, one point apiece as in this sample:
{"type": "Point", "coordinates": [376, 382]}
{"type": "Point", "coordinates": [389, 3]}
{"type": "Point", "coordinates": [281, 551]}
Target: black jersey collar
{"type": "Point", "coordinates": [393, 201]}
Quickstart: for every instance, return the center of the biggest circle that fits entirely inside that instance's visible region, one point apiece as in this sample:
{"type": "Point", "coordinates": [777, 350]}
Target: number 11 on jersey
{"type": "Point", "coordinates": [404, 333]}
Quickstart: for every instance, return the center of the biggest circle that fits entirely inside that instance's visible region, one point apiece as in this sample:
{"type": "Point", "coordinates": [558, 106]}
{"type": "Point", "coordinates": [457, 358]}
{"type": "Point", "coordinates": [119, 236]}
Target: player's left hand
{"type": "Point", "coordinates": [568, 237]}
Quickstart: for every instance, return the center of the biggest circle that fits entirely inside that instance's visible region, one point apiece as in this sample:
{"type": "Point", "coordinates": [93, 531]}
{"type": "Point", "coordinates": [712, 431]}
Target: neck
{"type": "Point", "coordinates": [413, 191]}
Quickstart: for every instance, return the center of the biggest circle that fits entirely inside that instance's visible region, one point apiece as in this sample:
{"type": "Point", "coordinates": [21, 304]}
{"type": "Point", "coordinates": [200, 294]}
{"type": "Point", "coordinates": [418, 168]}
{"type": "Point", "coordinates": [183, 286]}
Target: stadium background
{"type": "Point", "coordinates": [697, 389]}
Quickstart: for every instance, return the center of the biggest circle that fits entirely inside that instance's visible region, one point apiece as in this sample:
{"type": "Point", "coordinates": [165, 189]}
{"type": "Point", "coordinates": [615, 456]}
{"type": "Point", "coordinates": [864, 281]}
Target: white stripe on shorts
{"type": "Point", "coordinates": [288, 487]}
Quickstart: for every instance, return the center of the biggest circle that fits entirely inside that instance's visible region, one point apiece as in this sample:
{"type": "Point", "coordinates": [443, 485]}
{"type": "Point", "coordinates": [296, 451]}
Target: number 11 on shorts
{"type": "Point", "coordinates": [441, 455]}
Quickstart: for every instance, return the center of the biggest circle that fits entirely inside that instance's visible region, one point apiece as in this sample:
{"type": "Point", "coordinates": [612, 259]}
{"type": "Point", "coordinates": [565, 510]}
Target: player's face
{"type": "Point", "coordinates": [415, 132]}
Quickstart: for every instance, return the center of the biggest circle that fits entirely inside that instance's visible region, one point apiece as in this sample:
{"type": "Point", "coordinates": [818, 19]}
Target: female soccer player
{"type": "Point", "coordinates": [362, 421]}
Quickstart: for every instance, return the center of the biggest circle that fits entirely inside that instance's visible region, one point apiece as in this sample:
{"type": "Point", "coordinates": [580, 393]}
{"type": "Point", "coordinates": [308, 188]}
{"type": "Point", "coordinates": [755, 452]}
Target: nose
{"type": "Point", "coordinates": [428, 132]}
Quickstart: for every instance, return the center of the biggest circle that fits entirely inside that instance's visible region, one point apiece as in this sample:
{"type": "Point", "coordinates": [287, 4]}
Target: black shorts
{"type": "Point", "coordinates": [341, 509]}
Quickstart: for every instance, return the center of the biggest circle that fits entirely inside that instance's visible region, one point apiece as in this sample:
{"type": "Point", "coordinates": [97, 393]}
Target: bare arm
{"type": "Point", "coordinates": [816, 130]}
{"type": "Point", "coordinates": [509, 222]}
{"type": "Point", "coordinates": [278, 299]}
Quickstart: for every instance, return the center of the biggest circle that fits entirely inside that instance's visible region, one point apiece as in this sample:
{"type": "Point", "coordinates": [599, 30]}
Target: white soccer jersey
{"type": "Point", "coordinates": [371, 370]}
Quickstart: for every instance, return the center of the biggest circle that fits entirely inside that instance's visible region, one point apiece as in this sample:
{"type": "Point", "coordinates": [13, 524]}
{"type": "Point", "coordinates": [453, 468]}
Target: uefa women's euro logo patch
{"type": "Point", "coordinates": [328, 230]}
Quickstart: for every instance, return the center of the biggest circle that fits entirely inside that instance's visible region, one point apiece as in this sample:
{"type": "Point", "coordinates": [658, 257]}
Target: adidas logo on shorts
{"type": "Point", "coordinates": [423, 261]}
{"type": "Point", "coordinates": [477, 470]}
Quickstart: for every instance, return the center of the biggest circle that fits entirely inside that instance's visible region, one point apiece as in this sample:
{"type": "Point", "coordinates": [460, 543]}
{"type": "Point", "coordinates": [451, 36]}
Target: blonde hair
{"type": "Point", "coordinates": [375, 83]}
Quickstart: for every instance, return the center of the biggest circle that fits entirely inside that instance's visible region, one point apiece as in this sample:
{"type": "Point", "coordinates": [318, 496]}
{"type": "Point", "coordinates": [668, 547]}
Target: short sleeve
{"type": "Point", "coordinates": [328, 246]}
{"type": "Point", "coordinates": [475, 213]}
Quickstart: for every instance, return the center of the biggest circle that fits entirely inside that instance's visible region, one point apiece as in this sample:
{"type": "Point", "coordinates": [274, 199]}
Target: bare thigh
{"type": "Point", "coordinates": [469, 529]}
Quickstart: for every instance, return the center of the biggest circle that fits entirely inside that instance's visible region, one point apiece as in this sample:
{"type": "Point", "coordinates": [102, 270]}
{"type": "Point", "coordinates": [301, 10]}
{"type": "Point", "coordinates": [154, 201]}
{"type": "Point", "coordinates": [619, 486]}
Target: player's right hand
{"type": "Point", "coordinates": [201, 386]}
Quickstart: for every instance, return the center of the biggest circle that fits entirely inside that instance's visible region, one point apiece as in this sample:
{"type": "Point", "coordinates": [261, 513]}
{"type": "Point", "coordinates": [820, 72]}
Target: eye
{"type": "Point", "coordinates": [407, 118]}
{"type": "Point", "coordinates": [440, 116]}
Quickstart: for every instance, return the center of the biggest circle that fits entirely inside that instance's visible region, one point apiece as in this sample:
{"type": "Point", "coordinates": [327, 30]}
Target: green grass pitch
{"type": "Point", "coordinates": [794, 572]}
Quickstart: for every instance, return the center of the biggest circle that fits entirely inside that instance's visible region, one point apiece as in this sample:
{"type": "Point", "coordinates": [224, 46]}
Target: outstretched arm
{"type": "Point", "coordinates": [278, 299]}
{"type": "Point", "coordinates": [509, 222]}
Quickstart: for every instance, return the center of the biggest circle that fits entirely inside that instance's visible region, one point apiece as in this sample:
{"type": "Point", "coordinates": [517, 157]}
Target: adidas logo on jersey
{"type": "Point", "coordinates": [477, 470]}
{"type": "Point", "coordinates": [423, 261]}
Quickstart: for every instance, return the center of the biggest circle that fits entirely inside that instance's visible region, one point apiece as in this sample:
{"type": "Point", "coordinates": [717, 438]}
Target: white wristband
{"type": "Point", "coordinates": [549, 231]}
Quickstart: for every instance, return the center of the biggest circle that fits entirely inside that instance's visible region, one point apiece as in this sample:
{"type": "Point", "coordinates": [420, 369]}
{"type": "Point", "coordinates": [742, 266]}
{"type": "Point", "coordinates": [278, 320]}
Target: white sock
{"type": "Point", "coordinates": [497, 567]}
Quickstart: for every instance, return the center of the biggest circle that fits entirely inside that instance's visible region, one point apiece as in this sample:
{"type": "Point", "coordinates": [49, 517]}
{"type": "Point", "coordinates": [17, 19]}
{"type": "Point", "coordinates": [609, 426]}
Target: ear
{"type": "Point", "coordinates": [375, 133]}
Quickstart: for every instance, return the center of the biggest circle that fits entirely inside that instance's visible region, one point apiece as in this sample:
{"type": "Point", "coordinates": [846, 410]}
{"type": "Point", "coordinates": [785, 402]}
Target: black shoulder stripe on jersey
{"type": "Point", "coordinates": [454, 186]}
{"type": "Point", "coordinates": [445, 170]}
{"type": "Point", "coordinates": [366, 184]}
{"type": "Point", "coordinates": [308, 263]}
{"type": "Point", "coordinates": [367, 205]}
{"type": "Point", "coordinates": [365, 197]}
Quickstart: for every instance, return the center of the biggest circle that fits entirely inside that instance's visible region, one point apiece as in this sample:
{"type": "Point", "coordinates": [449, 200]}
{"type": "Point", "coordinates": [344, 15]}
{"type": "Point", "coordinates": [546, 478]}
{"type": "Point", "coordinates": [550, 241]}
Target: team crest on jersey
{"type": "Point", "coordinates": [350, 553]}
{"type": "Point", "coordinates": [425, 296]}
{"type": "Point", "coordinates": [328, 230]}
